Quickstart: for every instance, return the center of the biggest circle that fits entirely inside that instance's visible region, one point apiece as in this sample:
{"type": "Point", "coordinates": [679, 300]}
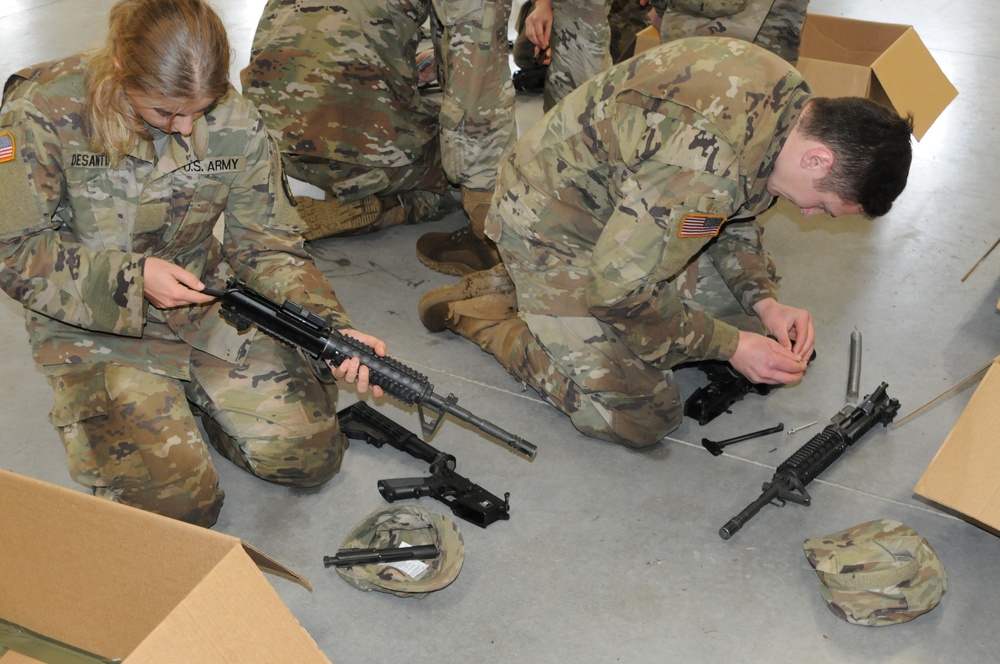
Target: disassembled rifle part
{"type": "Point", "coordinates": [789, 482]}
{"type": "Point", "coordinates": [467, 500]}
{"type": "Point", "coordinates": [352, 557]}
{"type": "Point", "coordinates": [854, 372]}
{"type": "Point", "coordinates": [793, 430]}
{"type": "Point", "coordinates": [716, 447]}
{"type": "Point", "coordinates": [726, 386]}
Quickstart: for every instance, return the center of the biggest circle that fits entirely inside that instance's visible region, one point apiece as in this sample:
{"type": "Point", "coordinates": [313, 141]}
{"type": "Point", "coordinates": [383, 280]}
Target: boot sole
{"type": "Point", "coordinates": [466, 261]}
{"type": "Point", "coordinates": [433, 306]}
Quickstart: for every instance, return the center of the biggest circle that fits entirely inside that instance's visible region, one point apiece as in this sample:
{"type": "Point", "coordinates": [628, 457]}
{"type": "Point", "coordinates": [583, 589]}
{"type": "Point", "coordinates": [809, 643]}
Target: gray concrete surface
{"type": "Point", "coordinates": [612, 555]}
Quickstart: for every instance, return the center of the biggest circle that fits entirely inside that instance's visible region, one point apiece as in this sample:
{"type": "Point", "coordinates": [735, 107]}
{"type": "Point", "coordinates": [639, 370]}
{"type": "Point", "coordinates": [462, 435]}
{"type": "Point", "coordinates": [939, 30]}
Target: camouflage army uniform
{"type": "Point", "coordinates": [73, 243]}
{"type": "Point", "coordinates": [607, 216]}
{"type": "Point", "coordinates": [337, 83]}
{"type": "Point", "coordinates": [774, 24]}
{"type": "Point", "coordinates": [581, 39]}
{"type": "Point", "coordinates": [625, 19]}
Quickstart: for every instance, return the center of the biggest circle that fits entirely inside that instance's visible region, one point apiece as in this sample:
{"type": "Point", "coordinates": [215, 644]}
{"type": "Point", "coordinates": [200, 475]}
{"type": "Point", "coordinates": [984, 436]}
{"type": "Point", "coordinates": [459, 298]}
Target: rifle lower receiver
{"type": "Point", "coordinates": [467, 500]}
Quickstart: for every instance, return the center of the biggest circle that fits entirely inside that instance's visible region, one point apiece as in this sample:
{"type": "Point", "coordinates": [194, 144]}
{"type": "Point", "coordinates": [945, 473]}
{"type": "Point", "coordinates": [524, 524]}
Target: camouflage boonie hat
{"type": "Point", "coordinates": [401, 525]}
{"type": "Point", "coordinates": [877, 573]}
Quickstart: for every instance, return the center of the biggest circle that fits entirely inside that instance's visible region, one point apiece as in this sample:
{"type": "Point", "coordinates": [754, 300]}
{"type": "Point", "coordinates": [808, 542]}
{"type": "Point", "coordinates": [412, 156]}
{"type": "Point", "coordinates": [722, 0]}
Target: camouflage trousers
{"type": "Point", "coordinates": [352, 182]}
{"type": "Point", "coordinates": [579, 365]}
{"type": "Point", "coordinates": [772, 24]}
{"type": "Point", "coordinates": [476, 120]}
{"type": "Point", "coordinates": [133, 436]}
{"type": "Point", "coordinates": [409, 194]}
{"type": "Point", "coordinates": [581, 38]}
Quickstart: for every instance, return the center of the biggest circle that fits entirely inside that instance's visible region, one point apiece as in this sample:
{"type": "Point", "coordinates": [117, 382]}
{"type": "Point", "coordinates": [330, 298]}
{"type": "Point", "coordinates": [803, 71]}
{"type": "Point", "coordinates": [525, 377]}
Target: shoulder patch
{"type": "Point", "coordinates": [7, 147]}
{"type": "Point", "coordinates": [699, 224]}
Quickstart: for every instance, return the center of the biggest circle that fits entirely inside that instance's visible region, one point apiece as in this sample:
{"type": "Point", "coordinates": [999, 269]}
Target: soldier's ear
{"type": "Point", "coordinates": [819, 159]}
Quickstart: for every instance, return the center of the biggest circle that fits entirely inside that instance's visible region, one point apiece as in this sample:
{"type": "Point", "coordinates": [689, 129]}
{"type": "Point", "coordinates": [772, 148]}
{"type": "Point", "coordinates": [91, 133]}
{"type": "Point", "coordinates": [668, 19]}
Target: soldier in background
{"type": "Point", "coordinates": [625, 18]}
{"type": "Point", "coordinates": [773, 24]}
{"type": "Point", "coordinates": [573, 41]}
{"type": "Point", "coordinates": [338, 84]}
{"type": "Point", "coordinates": [117, 166]}
{"type": "Point", "coordinates": [625, 222]}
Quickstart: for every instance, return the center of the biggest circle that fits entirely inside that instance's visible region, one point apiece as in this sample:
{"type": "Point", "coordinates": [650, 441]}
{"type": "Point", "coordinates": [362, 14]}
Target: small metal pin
{"type": "Point", "coordinates": [793, 430]}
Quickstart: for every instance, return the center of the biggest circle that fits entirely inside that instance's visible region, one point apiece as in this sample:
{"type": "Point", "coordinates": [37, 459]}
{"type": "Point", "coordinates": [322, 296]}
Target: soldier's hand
{"type": "Point", "coordinates": [538, 26]}
{"type": "Point", "coordinates": [764, 360]}
{"type": "Point", "coordinates": [168, 285]}
{"type": "Point", "coordinates": [791, 326]}
{"type": "Point", "coordinates": [352, 371]}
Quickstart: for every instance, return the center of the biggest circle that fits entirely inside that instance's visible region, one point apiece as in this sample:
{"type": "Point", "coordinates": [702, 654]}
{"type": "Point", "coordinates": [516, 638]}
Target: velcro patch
{"type": "Point", "coordinates": [699, 224]}
{"type": "Point", "coordinates": [7, 147]}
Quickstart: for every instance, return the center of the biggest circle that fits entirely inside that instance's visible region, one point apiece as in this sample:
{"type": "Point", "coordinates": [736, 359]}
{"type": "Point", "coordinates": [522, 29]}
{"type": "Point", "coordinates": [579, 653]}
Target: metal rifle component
{"type": "Point", "coordinates": [468, 501]}
{"type": "Point", "coordinates": [293, 324]}
{"type": "Point", "coordinates": [854, 372]}
{"type": "Point", "coordinates": [971, 378]}
{"type": "Point", "coordinates": [716, 447]}
{"type": "Point", "coordinates": [792, 476]}
{"type": "Point", "coordinates": [793, 430]}
{"type": "Point", "coordinates": [352, 557]}
{"type": "Point", "coordinates": [726, 386]}
{"type": "Point", "coordinates": [980, 261]}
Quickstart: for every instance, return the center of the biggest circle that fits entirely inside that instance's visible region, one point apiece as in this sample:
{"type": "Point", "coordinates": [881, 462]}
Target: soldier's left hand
{"type": "Point", "coordinates": [352, 371]}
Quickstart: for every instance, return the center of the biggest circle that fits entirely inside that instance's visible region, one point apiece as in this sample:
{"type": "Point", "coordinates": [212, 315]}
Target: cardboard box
{"type": "Point", "coordinates": [119, 582]}
{"type": "Point", "coordinates": [962, 476]}
{"type": "Point", "coordinates": [646, 39]}
{"type": "Point", "coordinates": [841, 57]}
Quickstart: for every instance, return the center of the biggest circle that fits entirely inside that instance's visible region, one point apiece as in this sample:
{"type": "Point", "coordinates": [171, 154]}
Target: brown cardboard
{"type": "Point", "coordinates": [886, 62]}
{"type": "Point", "coordinates": [646, 39]}
{"type": "Point", "coordinates": [123, 583]}
{"type": "Point", "coordinates": [962, 476]}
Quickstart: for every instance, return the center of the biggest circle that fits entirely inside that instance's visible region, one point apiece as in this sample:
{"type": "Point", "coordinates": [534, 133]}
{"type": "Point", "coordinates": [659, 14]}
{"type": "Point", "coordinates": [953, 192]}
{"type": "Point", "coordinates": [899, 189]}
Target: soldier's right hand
{"type": "Point", "coordinates": [763, 360]}
{"type": "Point", "coordinates": [538, 27]}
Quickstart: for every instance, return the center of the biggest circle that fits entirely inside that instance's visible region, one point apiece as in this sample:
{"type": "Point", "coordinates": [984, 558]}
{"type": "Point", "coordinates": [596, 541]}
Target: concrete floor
{"type": "Point", "coordinates": [612, 555]}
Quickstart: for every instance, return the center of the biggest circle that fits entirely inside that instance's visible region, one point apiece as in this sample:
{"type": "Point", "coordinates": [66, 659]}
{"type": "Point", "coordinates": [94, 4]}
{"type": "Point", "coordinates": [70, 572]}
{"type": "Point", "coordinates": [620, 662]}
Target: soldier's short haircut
{"type": "Point", "coordinates": [177, 49]}
{"type": "Point", "coordinates": [872, 149]}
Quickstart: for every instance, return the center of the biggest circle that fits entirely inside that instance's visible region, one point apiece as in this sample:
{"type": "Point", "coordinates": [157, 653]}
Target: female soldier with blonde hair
{"type": "Point", "coordinates": [118, 164]}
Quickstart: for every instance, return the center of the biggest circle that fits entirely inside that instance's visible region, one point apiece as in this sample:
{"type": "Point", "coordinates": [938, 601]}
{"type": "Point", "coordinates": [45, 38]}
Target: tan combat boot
{"type": "Point", "coordinates": [492, 290]}
{"type": "Point", "coordinates": [466, 250]}
{"type": "Point", "coordinates": [330, 216]}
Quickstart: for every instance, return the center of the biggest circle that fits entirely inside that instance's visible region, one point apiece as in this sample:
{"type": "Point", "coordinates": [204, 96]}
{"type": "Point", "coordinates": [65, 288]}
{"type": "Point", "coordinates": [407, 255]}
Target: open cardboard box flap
{"type": "Point", "coordinates": [123, 583]}
{"type": "Point", "coordinates": [886, 62]}
{"type": "Point", "coordinates": [962, 476]}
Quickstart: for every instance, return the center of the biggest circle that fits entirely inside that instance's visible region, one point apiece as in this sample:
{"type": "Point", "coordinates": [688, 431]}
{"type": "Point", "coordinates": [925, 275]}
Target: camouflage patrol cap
{"type": "Point", "coordinates": [877, 573]}
{"type": "Point", "coordinates": [401, 525]}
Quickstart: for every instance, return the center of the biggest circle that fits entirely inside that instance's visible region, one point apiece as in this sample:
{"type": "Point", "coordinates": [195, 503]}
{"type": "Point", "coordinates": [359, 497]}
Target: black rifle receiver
{"type": "Point", "coordinates": [792, 476]}
{"type": "Point", "coordinates": [293, 324]}
{"type": "Point", "coordinates": [726, 386]}
{"type": "Point", "coordinates": [468, 501]}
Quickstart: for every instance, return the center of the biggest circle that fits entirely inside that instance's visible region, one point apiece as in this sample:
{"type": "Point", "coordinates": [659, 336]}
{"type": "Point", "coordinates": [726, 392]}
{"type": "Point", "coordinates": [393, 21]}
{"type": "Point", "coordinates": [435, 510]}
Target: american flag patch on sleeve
{"type": "Point", "coordinates": [698, 224]}
{"type": "Point", "coordinates": [6, 147]}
